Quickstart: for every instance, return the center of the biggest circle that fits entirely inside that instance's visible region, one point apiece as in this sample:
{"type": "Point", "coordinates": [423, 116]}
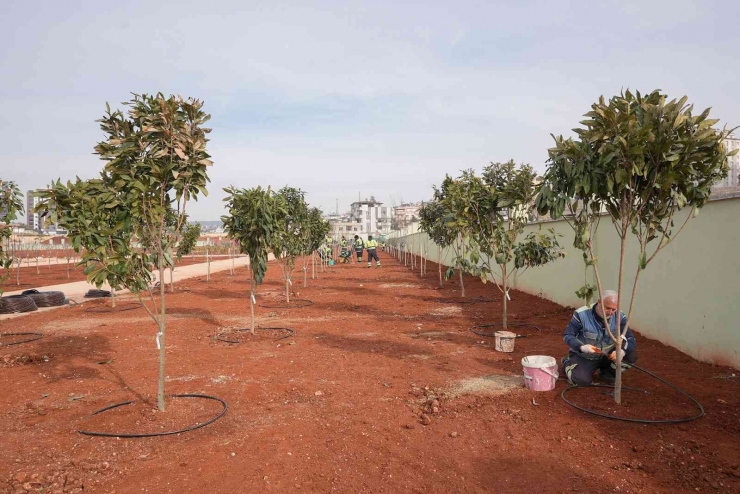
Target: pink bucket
{"type": "Point", "coordinates": [540, 372]}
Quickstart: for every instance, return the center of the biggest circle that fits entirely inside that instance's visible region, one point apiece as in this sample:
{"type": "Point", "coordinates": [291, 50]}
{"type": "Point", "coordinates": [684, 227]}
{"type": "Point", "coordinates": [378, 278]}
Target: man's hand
{"type": "Point", "coordinates": [589, 349]}
{"type": "Point", "coordinates": [613, 355]}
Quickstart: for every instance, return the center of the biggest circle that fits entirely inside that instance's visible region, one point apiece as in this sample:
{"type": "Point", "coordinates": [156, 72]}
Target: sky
{"type": "Point", "coordinates": [348, 99]}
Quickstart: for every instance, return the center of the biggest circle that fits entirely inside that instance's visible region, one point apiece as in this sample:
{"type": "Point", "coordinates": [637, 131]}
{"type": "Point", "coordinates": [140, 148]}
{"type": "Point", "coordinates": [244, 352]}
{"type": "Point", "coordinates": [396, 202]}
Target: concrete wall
{"type": "Point", "coordinates": [688, 297]}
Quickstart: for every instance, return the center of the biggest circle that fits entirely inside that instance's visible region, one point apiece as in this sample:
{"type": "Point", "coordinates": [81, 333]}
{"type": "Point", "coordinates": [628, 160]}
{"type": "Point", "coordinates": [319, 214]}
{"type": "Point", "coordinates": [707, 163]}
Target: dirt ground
{"type": "Point", "coordinates": [48, 273]}
{"type": "Point", "coordinates": [341, 405]}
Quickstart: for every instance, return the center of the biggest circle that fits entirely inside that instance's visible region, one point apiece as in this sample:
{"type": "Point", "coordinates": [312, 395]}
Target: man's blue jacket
{"type": "Point", "coordinates": [587, 328]}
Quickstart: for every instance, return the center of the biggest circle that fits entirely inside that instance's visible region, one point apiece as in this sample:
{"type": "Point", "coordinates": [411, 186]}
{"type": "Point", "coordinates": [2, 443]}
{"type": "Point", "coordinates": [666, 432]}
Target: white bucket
{"type": "Point", "coordinates": [540, 372]}
{"type": "Point", "coordinates": [504, 341]}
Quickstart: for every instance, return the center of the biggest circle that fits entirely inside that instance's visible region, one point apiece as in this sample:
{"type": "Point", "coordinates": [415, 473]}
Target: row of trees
{"type": "Point", "coordinates": [636, 161]}
{"type": "Point", "coordinates": [131, 221]}
{"type": "Point", "coordinates": [482, 219]}
{"type": "Point", "coordinates": [263, 221]}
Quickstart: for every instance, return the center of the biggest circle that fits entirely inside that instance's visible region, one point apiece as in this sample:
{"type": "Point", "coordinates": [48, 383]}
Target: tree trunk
{"type": "Point", "coordinates": [208, 265]}
{"type": "Point", "coordinates": [506, 298]}
{"type": "Point", "coordinates": [251, 298]}
{"type": "Point", "coordinates": [287, 290]}
{"type": "Point", "coordinates": [161, 338]}
{"type": "Point", "coordinates": [305, 276]}
{"type": "Point", "coordinates": [313, 265]}
{"type": "Point", "coordinates": [462, 283]}
{"type": "Point", "coordinates": [37, 264]}
{"type": "Point", "coordinates": [618, 380]}
{"type": "Point", "coordinates": [112, 298]}
{"type": "Point", "coordinates": [439, 264]}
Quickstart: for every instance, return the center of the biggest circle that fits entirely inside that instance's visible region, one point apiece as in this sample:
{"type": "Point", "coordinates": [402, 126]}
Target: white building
{"type": "Point", "coordinates": [405, 214]}
{"type": "Point", "coordinates": [732, 143]}
{"type": "Point", "coordinates": [33, 220]}
{"type": "Point", "coordinates": [368, 217]}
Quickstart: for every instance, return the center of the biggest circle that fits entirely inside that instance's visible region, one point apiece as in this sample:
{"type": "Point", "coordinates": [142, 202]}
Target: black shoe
{"type": "Point", "coordinates": [607, 377]}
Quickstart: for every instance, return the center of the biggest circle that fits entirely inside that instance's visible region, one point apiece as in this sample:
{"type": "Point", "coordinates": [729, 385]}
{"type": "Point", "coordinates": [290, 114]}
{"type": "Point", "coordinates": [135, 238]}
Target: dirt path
{"type": "Point", "coordinates": [337, 407]}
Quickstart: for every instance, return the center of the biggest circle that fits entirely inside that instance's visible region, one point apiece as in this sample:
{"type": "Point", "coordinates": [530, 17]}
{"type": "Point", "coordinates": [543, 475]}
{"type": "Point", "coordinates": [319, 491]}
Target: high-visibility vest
{"type": "Point", "coordinates": [371, 244]}
{"type": "Point", "coordinates": [344, 243]}
{"type": "Point", "coordinates": [359, 244]}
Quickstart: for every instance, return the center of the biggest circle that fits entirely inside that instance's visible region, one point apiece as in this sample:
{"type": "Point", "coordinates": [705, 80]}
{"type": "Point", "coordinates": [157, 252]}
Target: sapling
{"type": "Point", "coordinates": [252, 222]}
{"type": "Point", "coordinates": [637, 160]}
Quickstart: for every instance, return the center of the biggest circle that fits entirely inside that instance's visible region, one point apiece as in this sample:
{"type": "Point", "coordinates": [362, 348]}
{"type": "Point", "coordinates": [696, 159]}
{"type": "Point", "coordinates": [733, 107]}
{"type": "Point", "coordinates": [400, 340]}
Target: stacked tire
{"type": "Point", "coordinates": [14, 304]}
{"type": "Point", "coordinates": [47, 299]}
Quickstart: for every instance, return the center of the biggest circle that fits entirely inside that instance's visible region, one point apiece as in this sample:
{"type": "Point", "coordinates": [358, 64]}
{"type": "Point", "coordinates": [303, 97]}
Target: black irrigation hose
{"type": "Point", "coordinates": [17, 303]}
{"type": "Point", "coordinates": [637, 421]}
{"type": "Point", "coordinates": [118, 308]}
{"type": "Point", "coordinates": [34, 337]}
{"type": "Point", "coordinates": [493, 325]}
{"type": "Point", "coordinates": [305, 303]}
{"type": "Point", "coordinates": [156, 434]}
{"type": "Point", "coordinates": [93, 293]}
{"type": "Point", "coordinates": [290, 332]}
{"type": "Point", "coordinates": [47, 299]}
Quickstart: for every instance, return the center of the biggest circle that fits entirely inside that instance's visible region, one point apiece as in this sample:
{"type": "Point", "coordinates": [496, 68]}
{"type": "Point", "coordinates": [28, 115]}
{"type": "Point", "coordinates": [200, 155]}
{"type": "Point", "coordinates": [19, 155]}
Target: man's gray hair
{"type": "Point", "coordinates": [607, 294]}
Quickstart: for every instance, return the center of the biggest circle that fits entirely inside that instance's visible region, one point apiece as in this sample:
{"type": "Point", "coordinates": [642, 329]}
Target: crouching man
{"type": "Point", "coordinates": [591, 347]}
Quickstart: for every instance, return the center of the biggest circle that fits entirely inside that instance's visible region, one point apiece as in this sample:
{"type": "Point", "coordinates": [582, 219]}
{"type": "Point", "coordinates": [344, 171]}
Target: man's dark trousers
{"type": "Point", "coordinates": [580, 370]}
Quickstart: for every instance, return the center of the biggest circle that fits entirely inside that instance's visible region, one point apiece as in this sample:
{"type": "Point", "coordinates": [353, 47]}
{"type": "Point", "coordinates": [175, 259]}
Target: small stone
{"type": "Point", "coordinates": [233, 454]}
{"type": "Point", "coordinates": [28, 486]}
{"type": "Point", "coordinates": [291, 343]}
{"type": "Point", "coordinates": [319, 393]}
{"type": "Point", "coordinates": [721, 401]}
{"type": "Point", "coordinates": [21, 478]}
{"type": "Point", "coordinates": [435, 409]}
{"type": "Point", "coordinates": [409, 426]}
{"type": "Point", "coordinates": [453, 434]}
{"type": "Point", "coordinates": [425, 419]}
{"type": "Point", "coordinates": [638, 448]}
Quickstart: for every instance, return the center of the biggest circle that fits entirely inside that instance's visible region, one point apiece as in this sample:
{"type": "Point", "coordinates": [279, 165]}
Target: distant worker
{"type": "Point", "coordinates": [371, 246]}
{"type": "Point", "coordinates": [592, 348]}
{"type": "Point", "coordinates": [359, 247]}
{"type": "Point", "coordinates": [345, 255]}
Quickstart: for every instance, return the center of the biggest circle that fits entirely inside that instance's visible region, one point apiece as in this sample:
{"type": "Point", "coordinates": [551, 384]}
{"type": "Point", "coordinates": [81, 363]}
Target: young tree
{"type": "Point", "coordinates": [288, 241]}
{"type": "Point", "coordinates": [253, 219]}
{"type": "Point", "coordinates": [11, 205]}
{"type": "Point", "coordinates": [494, 209]}
{"type": "Point", "coordinates": [432, 221]}
{"type": "Point", "coordinates": [156, 157]}
{"type": "Point", "coordinates": [316, 229]}
{"type": "Point", "coordinates": [451, 196]}
{"type": "Point", "coordinates": [638, 160]}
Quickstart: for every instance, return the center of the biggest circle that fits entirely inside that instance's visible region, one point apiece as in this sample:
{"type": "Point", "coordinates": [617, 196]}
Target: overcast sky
{"type": "Point", "coordinates": [348, 98]}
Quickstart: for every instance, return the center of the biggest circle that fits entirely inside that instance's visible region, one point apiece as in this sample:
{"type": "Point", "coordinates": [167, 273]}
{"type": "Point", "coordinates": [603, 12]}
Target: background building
{"type": "Point", "coordinates": [368, 217]}
{"type": "Point", "coordinates": [405, 214]}
{"type": "Point", "coordinates": [34, 221]}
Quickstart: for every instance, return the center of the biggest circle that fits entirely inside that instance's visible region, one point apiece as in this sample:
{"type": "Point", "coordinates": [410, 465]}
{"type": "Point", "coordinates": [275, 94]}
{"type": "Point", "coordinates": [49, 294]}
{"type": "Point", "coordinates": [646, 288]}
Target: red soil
{"type": "Point", "coordinates": [54, 274]}
{"type": "Point", "coordinates": [338, 407]}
